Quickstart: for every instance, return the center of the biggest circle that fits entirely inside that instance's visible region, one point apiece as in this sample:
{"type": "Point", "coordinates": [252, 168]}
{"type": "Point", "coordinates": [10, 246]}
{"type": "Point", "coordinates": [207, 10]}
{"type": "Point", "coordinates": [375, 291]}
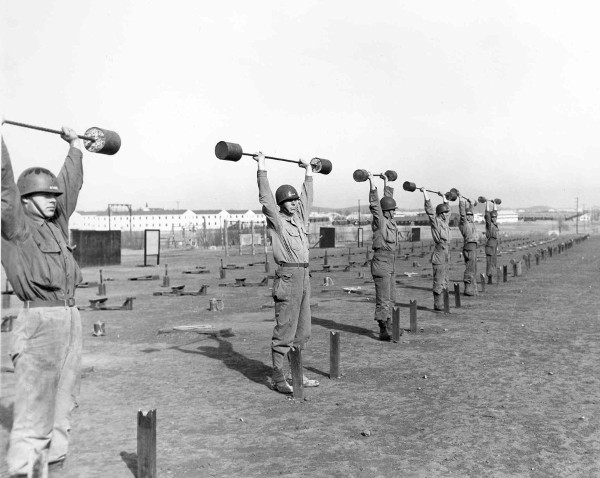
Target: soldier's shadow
{"type": "Point", "coordinates": [254, 370]}
{"type": "Point", "coordinates": [353, 329]}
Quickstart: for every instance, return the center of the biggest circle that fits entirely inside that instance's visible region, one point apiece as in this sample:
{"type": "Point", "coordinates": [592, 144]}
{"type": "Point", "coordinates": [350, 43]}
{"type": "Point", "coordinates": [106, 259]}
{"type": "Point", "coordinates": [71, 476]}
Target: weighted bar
{"type": "Point", "coordinates": [412, 187]}
{"type": "Point", "coordinates": [233, 152]}
{"type": "Point", "coordinates": [361, 175]}
{"type": "Point", "coordinates": [97, 140]}
{"type": "Point", "coordinates": [482, 200]}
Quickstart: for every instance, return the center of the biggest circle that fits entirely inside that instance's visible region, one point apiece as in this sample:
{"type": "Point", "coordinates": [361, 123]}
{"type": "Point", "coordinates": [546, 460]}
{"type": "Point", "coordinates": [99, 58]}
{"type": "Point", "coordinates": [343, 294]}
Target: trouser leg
{"type": "Point", "coordinates": [39, 348]}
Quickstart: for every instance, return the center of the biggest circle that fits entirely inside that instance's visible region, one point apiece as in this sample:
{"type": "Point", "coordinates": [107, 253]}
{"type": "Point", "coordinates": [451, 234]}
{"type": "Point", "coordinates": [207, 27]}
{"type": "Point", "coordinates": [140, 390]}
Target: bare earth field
{"type": "Point", "coordinates": [507, 385]}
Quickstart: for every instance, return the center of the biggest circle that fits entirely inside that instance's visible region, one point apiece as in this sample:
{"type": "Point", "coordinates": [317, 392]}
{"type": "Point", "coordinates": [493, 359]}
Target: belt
{"type": "Point", "coordinates": [30, 304]}
{"type": "Point", "coordinates": [294, 264]}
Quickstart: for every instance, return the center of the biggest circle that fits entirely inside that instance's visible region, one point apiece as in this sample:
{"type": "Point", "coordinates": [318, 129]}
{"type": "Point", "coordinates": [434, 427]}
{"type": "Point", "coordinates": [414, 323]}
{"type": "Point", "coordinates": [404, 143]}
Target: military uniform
{"type": "Point", "coordinates": [385, 243]}
{"type": "Point", "coordinates": [46, 338]}
{"type": "Point", "coordinates": [440, 257]}
{"type": "Point", "coordinates": [469, 233]}
{"type": "Point", "coordinates": [492, 233]}
{"type": "Point", "coordinates": [291, 287]}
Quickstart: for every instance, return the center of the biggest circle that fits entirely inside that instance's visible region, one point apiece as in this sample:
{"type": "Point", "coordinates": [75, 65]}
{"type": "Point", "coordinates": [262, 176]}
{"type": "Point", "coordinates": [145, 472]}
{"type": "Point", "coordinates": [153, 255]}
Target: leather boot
{"type": "Point", "coordinates": [279, 382]}
{"type": "Point", "coordinates": [469, 288]}
{"type": "Point", "coordinates": [383, 331]}
{"type": "Point", "coordinates": [438, 303]}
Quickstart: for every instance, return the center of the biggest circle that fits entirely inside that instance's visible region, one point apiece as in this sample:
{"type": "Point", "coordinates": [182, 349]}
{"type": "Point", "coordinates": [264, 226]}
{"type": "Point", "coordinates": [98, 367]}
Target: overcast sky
{"type": "Point", "coordinates": [496, 98]}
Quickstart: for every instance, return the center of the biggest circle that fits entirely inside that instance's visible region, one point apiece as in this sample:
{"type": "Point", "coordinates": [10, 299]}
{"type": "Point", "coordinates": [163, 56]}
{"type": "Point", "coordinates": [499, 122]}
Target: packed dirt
{"type": "Point", "coordinates": [506, 385]}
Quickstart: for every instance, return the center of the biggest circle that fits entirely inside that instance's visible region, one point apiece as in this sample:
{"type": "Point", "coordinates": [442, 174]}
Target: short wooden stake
{"type": "Point", "coordinates": [166, 278]}
{"type": "Point", "coordinates": [482, 276]}
{"type": "Point", "coordinates": [504, 273]}
{"type": "Point", "coordinates": [146, 444]}
{"type": "Point", "coordinates": [457, 295]}
{"type": "Point", "coordinates": [537, 260]}
{"type": "Point", "coordinates": [396, 323]}
{"type": "Point", "coordinates": [267, 265]}
{"type": "Point", "coordinates": [334, 354]}
{"type": "Point", "coordinates": [514, 269]}
{"type": "Point", "coordinates": [413, 316]}
{"type": "Point", "coordinates": [498, 274]}
{"type": "Point", "coordinates": [296, 366]}
{"type": "Point", "coordinates": [325, 259]}
{"type": "Point", "coordinates": [222, 272]}
{"type": "Point", "coordinates": [446, 302]}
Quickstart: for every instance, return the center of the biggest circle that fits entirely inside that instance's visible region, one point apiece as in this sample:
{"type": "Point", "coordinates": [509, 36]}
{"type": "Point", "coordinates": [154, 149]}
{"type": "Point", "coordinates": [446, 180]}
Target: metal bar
{"type": "Point", "coordinates": [273, 157]}
{"type": "Point", "coordinates": [47, 130]}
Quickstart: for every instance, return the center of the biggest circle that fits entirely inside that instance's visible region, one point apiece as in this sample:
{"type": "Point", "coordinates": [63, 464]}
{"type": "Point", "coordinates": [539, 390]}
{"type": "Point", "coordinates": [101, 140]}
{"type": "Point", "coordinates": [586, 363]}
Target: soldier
{"type": "Point", "coordinates": [469, 233]}
{"type": "Point", "coordinates": [385, 242]}
{"type": "Point", "coordinates": [46, 339]}
{"type": "Point", "coordinates": [492, 233]}
{"type": "Point", "coordinates": [287, 219]}
{"type": "Point", "coordinates": [440, 231]}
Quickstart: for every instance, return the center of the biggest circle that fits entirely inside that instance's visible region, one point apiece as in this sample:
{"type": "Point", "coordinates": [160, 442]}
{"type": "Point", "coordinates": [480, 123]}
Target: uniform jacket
{"type": "Point", "coordinates": [35, 253]}
{"type": "Point", "coordinates": [491, 230]}
{"type": "Point", "coordinates": [385, 231]}
{"type": "Point", "coordinates": [288, 234]}
{"type": "Point", "coordinates": [440, 232]}
{"type": "Point", "coordinates": [467, 229]}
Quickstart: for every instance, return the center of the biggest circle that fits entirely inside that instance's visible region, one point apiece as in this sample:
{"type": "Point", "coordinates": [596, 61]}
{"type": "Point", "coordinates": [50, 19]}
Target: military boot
{"type": "Point", "coordinates": [383, 331]}
{"type": "Point", "coordinates": [469, 288]}
{"type": "Point", "coordinates": [279, 383]}
{"type": "Point", "coordinates": [438, 303]}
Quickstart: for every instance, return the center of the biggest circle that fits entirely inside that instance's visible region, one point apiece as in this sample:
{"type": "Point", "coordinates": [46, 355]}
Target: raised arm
{"type": "Point", "coordinates": [13, 215]}
{"type": "Point", "coordinates": [306, 196]}
{"type": "Point", "coordinates": [69, 179]}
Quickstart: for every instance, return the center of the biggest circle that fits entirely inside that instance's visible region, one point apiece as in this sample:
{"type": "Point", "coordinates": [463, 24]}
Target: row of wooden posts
{"type": "Point", "coordinates": [146, 421]}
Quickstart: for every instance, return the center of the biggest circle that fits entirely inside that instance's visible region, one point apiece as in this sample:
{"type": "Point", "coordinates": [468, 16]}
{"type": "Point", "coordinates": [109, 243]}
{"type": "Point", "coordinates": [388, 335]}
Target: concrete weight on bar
{"type": "Point", "coordinates": [227, 151]}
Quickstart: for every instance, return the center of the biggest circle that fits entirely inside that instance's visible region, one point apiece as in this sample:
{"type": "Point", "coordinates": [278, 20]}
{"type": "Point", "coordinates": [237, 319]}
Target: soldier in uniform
{"type": "Point", "coordinates": [440, 231]}
{"type": "Point", "coordinates": [385, 242]}
{"type": "Point", "coordinates": [469, 233]}
{"type": "Point", "coordinates": [46, 338]}
{"type": "Point", "coordinates": [287, 220]}
{"type": "Point", "coordinates": [492, 233]}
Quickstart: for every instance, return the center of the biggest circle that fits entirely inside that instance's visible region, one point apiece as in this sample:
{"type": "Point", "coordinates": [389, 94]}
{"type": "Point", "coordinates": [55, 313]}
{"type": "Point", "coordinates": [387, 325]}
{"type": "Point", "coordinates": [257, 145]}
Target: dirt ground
{"type": "Point", "coordinates": [506, 385]}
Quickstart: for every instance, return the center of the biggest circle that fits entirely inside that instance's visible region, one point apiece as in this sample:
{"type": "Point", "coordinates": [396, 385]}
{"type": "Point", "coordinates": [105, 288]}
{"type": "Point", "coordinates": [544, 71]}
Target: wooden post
{"type": "Point", "coordinates": [296, 366]}
{"type": "Point", "coordinates": [446, 301]}
{"type": "Point", "coordinates": [498, 274]}
{"type": "Point", "coordinates": [367, 252]}
{"type": "Point", "coordinates": [102, 285]}
{"type": "Point", "coordinates": [240, 237]}
{"type": "Point", "coordinates": [166, 278]}
{"type": "Point", "coordinates": [413, 316]}
{"type": "Point", "coordinates": [267, 265]}
{"type": "Point", "coordinates": [514, 268]}
{"type": "Point", "coordinates": [537, 259]}
{"type": "Point", "coordinates": [252, 232]}
{"type": "Point", "coordinates": [349, 255]}
{"type": "Point", "coordinates": [146, 444]}
{"type": "Point", "coordinates": [396, 323]}
{"type": "Point", "coordinates": [334, 354]}
{"type": "Point", "coordinates": [519, 268]}
{"type": "Point", "coordinates": [457, 295]}
{"type": "Point", "coordinates": [504, 273]}
{"type": "Point", "coordinates": [222, 272]}
{"type": "Point", "coordinates": [325, 258]}
{"type": "Point", "coordinates": [482, 276]}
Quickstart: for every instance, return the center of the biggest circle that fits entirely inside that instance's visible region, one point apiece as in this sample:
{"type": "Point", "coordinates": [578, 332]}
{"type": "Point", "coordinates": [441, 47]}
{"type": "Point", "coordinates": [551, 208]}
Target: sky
{"type": "Point", "coordinates": [494, 98]}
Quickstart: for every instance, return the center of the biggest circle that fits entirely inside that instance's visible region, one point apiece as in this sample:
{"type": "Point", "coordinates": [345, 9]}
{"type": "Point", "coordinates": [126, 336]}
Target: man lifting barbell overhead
{"type": "Point", "coordinates": [40, 266]}
{"type": "Point", "coordinates": [385, 243]}
{"type": "Point", "coordinates": [287, 219]}
{"type": "Point", "coordinates": [440, 231]}
{"type": "Point", "coordinates": [466, 225]}
{"type": "Point", "coordinates": [492, 233]}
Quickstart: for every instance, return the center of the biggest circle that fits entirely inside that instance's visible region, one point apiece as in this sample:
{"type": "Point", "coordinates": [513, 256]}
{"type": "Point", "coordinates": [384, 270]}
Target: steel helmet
{"type": "Point", "coordinates": [38, 180]}
{"type": "Point", "coordinates": [286, 192]}
{"type": "Point", "coordinates": [440, 208]}
{"type": "Point", "coordinates": [387, 203]}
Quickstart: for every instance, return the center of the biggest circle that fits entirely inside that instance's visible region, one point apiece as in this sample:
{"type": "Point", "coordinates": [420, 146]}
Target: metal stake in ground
{"type": "Point", "coordinates": [296, 366]}
{"type": "Point", "coordinates": [146, 444]}
{"type": "Point", "coordinates": [482, 276]}
{"type": "Point", "coordinates": [413, 316]}
{"type": "Point", "coordinates": [334, 354]}
{"type": "Point", "coordinates": [457, 295]}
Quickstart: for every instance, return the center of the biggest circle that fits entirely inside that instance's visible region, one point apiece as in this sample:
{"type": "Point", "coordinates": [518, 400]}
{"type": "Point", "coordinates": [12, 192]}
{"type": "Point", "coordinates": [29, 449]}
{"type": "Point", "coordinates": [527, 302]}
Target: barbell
{"type": "Point", "coordinates": [233, 152]}
{"type": "Point", "coordinates": [411, 187]}
{"type": "Point", "coordinates": [96, 140]}
{"type": "Point", "coordinates": [483, 200]}
{"type": "Point", "coordinates": [361, 175]}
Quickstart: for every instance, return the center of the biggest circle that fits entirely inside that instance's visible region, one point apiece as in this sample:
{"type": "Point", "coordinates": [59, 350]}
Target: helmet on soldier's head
{"type": "Point", "coordinates": [440, 208]}
{"type": "Point", "coordinates": [285, 193]}
{"type": "Point", "coordinates": [38, 180]}
{"type": "Point", "coordinates": [387, 203]}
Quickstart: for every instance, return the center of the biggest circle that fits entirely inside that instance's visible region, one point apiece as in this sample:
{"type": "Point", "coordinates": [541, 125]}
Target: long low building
{"type": "Point", "coordinates": [163, 219]}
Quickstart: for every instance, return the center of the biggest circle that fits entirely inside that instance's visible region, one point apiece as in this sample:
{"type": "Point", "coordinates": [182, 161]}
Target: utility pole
{"type": "Point", "coordinates": [577, 216]}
